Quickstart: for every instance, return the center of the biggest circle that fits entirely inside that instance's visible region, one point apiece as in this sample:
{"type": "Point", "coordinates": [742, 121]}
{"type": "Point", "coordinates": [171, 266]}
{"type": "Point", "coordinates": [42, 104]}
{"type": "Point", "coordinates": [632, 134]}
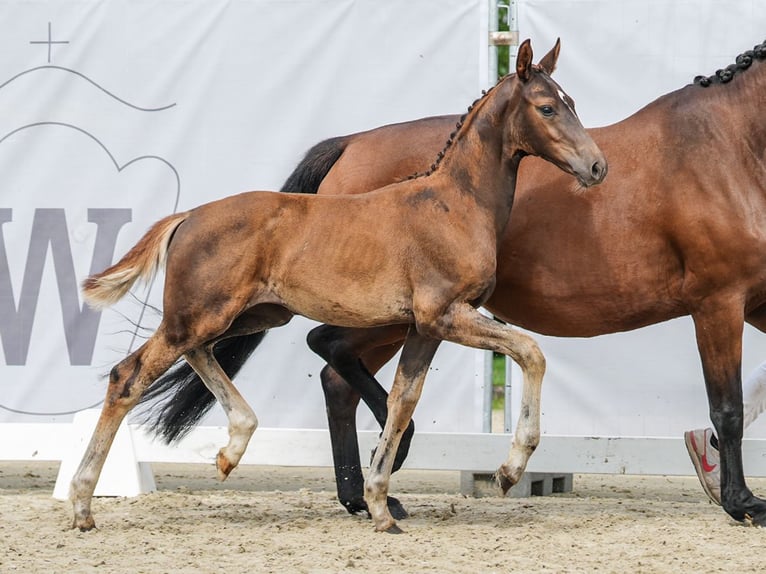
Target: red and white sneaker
{"type": "Point", "coordinates": [706, 461]}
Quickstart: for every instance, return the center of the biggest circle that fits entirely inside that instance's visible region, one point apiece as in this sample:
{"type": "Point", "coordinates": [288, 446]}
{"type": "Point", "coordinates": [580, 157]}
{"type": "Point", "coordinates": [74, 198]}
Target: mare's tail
{"type": "Point", "coordinates": [179, 398]}
{"type": "Point", "coordinates": [142, 262]}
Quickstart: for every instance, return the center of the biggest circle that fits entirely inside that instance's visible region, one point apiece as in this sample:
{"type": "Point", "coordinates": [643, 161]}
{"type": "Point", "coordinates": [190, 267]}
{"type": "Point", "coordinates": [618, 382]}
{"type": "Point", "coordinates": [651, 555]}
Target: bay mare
{"type": "Point", "coordinates": [421, 252]}
{"type": "Point", "coordinates": [678, 228]}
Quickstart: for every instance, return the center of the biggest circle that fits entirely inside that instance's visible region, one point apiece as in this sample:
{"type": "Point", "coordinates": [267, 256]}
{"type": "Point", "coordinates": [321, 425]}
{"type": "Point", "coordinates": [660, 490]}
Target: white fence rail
{"type": "Point", "coordinates": [127, 471]}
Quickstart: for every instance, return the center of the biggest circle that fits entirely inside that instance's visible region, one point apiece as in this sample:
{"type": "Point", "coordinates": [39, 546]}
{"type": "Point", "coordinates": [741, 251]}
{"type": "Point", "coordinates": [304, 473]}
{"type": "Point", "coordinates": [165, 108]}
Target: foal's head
{"type": "Point", "coordinates": [546, 123]}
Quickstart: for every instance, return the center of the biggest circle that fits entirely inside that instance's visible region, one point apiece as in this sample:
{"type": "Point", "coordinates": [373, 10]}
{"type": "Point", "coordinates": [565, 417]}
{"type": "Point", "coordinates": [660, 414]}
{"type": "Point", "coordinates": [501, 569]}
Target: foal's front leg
{"type": "Point", "coordinates": [242, 419]}
{"type": "Point", "coordinates": [463, 324]}
{"type": "Point", "coordinates": [417, 353]}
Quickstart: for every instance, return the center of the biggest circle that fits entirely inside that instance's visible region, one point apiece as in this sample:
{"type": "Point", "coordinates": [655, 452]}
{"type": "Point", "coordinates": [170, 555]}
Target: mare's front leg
{"type": "Point", "coordinates": [411, 372]}
{"type": "Point", "coordinates": [127, 382]}
{"type": "Point", "coordinates": [719, 339]}
{"type": "Point", "coordinates": [463, 324]}
{"type": "Point", "coordinates": [351, 355]}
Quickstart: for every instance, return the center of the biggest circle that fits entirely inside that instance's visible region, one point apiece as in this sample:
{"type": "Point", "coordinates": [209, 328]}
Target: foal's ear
{"type": "Point", "coordinates": [548, 63]}
{"type": "Point", "coordinates": [524, 61]}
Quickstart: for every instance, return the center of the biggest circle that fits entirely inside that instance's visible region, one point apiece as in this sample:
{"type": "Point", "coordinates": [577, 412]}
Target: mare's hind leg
{"type": "Point", "coordinates": [352, 355]}
{"type": "Point", "coordinates": [463, 324]}
{"type": "Point", "coordinates": [417, 353]}
{"type": "Point", "coordinates": [242, 419]}
{"type": "Point", "coordinates": [127, 382]}
{"type": "Point", "coordinates": [719, 339]}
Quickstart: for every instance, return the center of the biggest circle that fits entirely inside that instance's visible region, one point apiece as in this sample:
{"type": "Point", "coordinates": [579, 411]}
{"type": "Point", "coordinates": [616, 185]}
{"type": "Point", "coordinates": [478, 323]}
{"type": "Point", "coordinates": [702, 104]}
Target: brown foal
{"type": "Point", "coordinates": [420, 252]}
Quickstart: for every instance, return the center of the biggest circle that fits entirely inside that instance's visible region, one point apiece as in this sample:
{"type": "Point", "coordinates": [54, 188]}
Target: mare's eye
{"type": "Point", "coordinates": [547, 111]}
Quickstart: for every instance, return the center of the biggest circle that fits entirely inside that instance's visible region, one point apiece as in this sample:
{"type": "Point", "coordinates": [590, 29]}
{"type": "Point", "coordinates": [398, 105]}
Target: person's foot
{"type": "Point", "coordinates": [706, 461]}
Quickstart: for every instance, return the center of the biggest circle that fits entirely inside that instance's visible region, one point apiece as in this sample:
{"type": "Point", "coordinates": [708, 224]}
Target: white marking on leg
{"type": "Point", "coordinates": [242, 419]}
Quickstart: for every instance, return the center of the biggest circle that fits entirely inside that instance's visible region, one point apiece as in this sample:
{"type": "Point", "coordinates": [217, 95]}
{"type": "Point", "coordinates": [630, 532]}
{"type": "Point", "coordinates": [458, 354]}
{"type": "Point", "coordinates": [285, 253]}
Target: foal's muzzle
{"type": "Point", "coordinates": [594, 173]}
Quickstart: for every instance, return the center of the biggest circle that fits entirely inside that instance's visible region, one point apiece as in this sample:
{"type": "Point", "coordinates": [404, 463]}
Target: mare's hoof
{"type": "Point", "coordinates": [396, 509]}
{"type": "Point", "coordinates": [389, 527]}
{"type": "Point", "coordinates": [757, 520]}
{"type": "Point", "coordinates": [752, 512]}
{"type": "Point", "coordinates": [355, 506]}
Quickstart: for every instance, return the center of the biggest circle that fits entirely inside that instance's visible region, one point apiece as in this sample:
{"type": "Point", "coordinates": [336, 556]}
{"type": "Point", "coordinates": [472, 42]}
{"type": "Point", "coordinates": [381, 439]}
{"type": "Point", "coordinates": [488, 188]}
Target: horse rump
{"type": "Point", "coordinates": [177, 401]}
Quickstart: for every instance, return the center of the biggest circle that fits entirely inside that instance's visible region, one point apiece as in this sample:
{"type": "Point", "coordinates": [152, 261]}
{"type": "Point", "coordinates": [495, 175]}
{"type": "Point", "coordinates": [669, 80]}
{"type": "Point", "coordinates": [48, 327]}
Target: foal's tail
{"type": "Point", "coordinates": [177, 401]}
{"type": "Point", "coordinates": [141, 262]}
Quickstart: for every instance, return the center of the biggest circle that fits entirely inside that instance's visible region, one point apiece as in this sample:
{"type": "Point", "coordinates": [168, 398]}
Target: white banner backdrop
{"type": "Point", "coordinates": [117, 113]}
{"type": "Point", "coordinates": [616, 57]}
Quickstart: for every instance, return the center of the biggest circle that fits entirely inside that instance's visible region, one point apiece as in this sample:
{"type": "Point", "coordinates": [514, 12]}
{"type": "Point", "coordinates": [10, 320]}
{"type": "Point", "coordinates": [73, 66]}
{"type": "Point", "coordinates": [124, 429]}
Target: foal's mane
{"type": "Point", "coordinates": [742, 62]}
{"type": "Point", "coordinates": [458, 126]}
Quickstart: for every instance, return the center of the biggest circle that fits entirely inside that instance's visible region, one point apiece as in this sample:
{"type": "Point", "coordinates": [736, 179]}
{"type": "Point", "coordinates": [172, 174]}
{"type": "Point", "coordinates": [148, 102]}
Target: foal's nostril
{"type": "Point", "coordinates": [597, 170]}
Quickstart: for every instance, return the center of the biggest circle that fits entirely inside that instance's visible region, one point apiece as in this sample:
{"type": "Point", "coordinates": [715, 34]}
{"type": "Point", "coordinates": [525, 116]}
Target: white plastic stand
{"type": "Point", "coordinates": [122, 475]}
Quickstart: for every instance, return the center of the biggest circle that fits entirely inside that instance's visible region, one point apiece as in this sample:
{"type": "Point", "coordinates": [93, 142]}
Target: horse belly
{"type": "Point", "coordinates": [346, 281]}
{"type": "Point", "coordinates": [345, 304]}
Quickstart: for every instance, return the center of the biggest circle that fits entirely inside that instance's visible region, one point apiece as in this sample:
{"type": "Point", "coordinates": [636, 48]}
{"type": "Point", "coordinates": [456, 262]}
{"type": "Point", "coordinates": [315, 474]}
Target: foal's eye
{"type": "Point", "coordinates": [547, 111]}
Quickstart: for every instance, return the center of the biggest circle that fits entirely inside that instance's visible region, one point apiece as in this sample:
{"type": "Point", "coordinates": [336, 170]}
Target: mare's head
{"type": "Point", "coordinates": [546, 124]}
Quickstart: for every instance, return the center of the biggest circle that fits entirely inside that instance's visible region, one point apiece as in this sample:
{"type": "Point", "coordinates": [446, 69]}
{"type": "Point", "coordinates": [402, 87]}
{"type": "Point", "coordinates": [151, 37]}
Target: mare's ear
{"type": "Point", "coordinates": [548, 63]}
{"type": "Point", "coordinates": [524, 61]}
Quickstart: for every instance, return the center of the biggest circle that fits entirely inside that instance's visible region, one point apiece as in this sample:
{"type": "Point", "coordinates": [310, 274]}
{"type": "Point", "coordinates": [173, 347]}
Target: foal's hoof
{"type": "Point", "coordinates": [224, 466]}
{"type": "Point", "coordinates": [394, 530]}
{"type": "Point", "coordinates": [503, 481]}
{"type": "Point", "coordinates": [84, 524]}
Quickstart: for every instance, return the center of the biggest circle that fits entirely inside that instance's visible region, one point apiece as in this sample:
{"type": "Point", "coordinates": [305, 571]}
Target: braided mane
{"type": "Point", "coordinates": [453, 135]}
{"type": "Point", "coordinates": [742, 62]}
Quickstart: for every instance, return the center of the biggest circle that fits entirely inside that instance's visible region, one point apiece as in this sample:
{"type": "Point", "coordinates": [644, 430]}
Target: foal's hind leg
{"type": "Point", "coordinates": [127, 381]}
{"type": "Point", "coordinates": [463, 324]}
{"type": "Point", "coordinates": [242, 419]}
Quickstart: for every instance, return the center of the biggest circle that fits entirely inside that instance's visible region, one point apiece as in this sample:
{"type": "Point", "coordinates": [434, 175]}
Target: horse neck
{"type": "Point", "coordinates": [737, 106]}
{"type": "Point", "coordinates": [750, 103]}
{"type": "Point", "coordinates": [478, 162]}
